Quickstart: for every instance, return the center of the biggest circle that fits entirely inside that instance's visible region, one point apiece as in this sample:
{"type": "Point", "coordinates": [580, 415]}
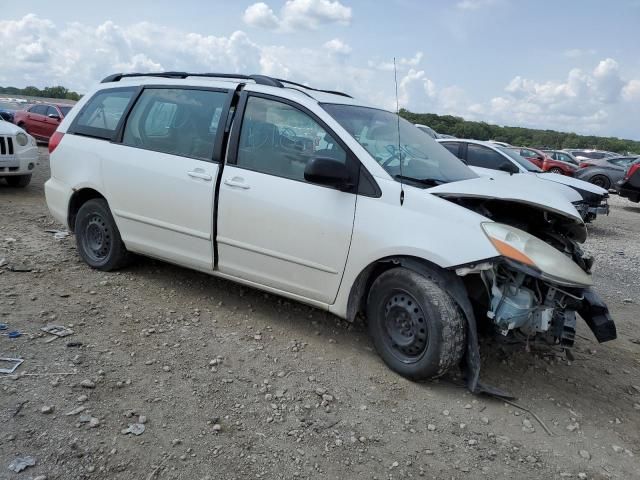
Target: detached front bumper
{"type": "Point", "coordinates": [589, 210]}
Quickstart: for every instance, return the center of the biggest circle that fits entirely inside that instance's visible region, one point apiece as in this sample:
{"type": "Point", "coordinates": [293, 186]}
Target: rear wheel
{"type": "Point", "coordinates": [18, 181]}
{"type": "Point", "coordinates": [416, 326]}
{"type": "Point", "coordinates": [97, 237]}
{"type": "Point", "coordinates": [556, 170]}
{"type": "Point", "coordinates": [601, 181]}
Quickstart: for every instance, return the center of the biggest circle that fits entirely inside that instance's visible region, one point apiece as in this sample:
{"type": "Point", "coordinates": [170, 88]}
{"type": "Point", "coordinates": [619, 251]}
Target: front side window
{"type": "Point", "coordinates": [278, 139]}
{"type": "Point", "coordinates": [453, 147]}
{"type": "Point", "coordinates": [176, 121]}
{"type": "Point", "coordinates": [404, 151]}
{"type": "Point", "coordinates": [480, 156]}
{"type": "Point", "coordinates": [101, 115]}
{"type": "Point", "coordinates": [520, 160]}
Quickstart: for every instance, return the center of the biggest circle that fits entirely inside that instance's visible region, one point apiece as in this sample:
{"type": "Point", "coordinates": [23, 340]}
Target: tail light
{"type": "Point", "coordinates": [583, 165]}
{"type": "Point", "coordinates": [54, 141]}
{"type": "Point", "coordinates": [632, 169]}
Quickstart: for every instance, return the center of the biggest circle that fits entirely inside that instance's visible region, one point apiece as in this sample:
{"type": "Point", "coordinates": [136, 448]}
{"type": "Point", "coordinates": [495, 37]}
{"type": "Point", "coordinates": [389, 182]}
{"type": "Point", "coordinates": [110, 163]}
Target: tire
{"type": "Point", "coordinates": [18, 181]}
{"type": "Point", "coordinates": [556, 170]}
{"type": "Point", "coordinates": [97, 237]}
{"type": "Point", "coordinates": [601, 181]}
{"type": "Point", "coordinates": [416, 327]}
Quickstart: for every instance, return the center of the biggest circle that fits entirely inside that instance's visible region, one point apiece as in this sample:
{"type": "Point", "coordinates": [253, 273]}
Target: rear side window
{"type": "Point", "coordinates": [101, 116]}
{"type": "Point", "coordinates": [177, 121]}
{"type": "Point", "coordinates": [52, 111]}
{"type": "Point", "coordinates": [479, 156]}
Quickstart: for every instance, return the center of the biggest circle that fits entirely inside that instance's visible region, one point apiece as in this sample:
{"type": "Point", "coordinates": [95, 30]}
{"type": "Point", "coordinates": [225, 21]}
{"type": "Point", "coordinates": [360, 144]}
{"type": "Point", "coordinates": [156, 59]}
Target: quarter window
{"type": "Point", "coordinates": [101, 115]}
{"type": "Point", "coordinates": [177, 121]}
{"type": "Point", "coordinates": [280, 140]}
{"type": "Point", "coordinates": [479, 156]}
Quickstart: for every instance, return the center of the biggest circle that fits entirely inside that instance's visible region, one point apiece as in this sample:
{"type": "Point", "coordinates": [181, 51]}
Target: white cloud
{"type": "Point", "coordinates": [36, 51]}
{"type": "Point", "coordinates": [260, 15]}
{"type": "Point", "coordinates": [337, 47]}
{"type": "Point", "coordinates": [585, 101]}
{"type": "Point", "coordinates": [298, 15]}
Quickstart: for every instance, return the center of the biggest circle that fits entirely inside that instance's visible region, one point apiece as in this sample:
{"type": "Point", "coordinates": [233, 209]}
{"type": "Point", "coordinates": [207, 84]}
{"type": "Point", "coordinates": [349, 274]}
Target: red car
{"type": "Point", "coordinates": [545, 162]}
{"type": "Point", "coordinates": [42, 119]}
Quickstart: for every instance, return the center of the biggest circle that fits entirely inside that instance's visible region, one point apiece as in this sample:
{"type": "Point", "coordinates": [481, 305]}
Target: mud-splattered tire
{"type": "Point", "coordinates": [97, 237]}
{"type": "Point", "coordinates": [416, 327]}
{"type": "Point", "coordinates": [18, 181]}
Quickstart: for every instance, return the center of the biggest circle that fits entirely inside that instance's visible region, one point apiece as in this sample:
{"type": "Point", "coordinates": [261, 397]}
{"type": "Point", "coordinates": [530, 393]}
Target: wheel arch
{"type": "Point", "coordinates": [359, 291]}
{"type": "Point", "coordinates": [446, 279]}
{"type": "Point", "coordinates": [79, 198]}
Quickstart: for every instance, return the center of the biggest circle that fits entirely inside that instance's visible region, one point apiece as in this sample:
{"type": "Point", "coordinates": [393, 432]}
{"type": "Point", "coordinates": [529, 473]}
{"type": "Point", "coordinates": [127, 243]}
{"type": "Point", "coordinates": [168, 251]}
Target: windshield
{"type": "Point", "coordinates": [523, 162]}
{"type": "Point", "coordinates": [65, 110]}
{"type": "Point", "coordinates": [424, 161]}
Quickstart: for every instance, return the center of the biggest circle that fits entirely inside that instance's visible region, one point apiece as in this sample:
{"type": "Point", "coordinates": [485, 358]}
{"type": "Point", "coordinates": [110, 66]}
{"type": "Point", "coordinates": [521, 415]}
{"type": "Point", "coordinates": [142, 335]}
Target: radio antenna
{"type": "Point", "coordinates": [395, 78]}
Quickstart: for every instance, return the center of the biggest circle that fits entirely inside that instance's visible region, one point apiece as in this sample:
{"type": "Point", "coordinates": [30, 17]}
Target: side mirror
{"type": "Point", "coordinates": [329, 172]}
{"type": "Point", "coordinates": [54, 116]}
{"type": "Point", "coordinates": [508, 167]}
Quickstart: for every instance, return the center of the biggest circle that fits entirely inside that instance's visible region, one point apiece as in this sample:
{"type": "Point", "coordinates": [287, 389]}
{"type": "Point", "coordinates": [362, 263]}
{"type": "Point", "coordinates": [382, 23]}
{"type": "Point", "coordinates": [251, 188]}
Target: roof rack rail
{"type": "Point", "coordinates": [334, 92]}
{"type": "Point", "coordinates": [259, 79]}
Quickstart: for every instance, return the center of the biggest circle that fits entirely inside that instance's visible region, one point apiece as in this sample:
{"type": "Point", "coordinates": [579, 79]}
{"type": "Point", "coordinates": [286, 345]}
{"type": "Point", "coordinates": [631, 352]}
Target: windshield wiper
{"type": "Point", "coordinates": [429, 182]}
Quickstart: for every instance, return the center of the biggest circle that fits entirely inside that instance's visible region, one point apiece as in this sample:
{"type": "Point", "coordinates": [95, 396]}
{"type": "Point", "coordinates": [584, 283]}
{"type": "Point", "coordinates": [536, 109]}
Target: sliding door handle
{"type": "Point", "coordinates": [199, 174]}
{"type": "Point", "coordinates": [236, 182]}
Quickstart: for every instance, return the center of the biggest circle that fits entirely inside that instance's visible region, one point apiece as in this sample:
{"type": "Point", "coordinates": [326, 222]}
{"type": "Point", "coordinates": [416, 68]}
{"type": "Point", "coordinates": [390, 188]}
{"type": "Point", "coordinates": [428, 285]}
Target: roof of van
{"type": "Point", "coordinates": [204, 79]}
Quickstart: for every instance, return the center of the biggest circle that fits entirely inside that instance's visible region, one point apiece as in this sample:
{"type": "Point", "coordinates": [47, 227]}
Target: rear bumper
{"type": "Point", "coordinates": [624, 190]}
{"type": "Point", "coordinates": [596, 314]}
{"type": "Point", "coordinates": [57, 195]}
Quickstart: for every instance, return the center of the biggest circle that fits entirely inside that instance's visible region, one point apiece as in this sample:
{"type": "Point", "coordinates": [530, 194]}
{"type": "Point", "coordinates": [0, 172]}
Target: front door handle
{"type": "Point", "coordinates": [236, 182]}
{"type": "Point", "coordinates": [199, 174]}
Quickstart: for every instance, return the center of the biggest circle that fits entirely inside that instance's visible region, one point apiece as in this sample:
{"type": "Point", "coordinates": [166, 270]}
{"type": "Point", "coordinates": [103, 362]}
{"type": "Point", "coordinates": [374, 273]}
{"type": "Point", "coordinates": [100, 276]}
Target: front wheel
{"type": "Point", "coordinates": [18, 181]}
{"type": "Point", "coordinates": [416, 327]}
{"type": "Point", "coordinates": [97, 237]}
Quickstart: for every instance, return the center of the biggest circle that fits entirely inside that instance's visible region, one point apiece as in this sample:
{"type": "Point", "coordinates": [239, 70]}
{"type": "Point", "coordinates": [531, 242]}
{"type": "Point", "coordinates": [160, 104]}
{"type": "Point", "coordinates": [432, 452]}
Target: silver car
{"type": "Point", "coordinates": [605, 172]}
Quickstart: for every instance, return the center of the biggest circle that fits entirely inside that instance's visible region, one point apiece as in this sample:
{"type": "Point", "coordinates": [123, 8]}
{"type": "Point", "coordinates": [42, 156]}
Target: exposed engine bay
{"type": "Point", "coordinates": [518, 301]}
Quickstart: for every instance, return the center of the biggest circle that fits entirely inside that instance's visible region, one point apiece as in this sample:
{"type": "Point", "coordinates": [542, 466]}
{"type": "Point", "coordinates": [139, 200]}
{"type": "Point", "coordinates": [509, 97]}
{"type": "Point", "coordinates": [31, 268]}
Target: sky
{"type": "Point", "coordinates": [566, 65]}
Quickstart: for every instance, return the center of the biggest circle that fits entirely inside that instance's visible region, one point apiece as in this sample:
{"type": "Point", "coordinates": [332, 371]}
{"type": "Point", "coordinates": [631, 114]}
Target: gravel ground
{"type": "Point", "coordinates": [232, 383]}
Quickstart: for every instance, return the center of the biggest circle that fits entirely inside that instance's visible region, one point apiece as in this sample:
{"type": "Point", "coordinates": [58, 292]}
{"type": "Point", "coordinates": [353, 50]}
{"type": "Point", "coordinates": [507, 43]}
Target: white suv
{"type": "Point", "coordinates": [18, 155]}
{"type": "Point", "coordinates": [312, 195]}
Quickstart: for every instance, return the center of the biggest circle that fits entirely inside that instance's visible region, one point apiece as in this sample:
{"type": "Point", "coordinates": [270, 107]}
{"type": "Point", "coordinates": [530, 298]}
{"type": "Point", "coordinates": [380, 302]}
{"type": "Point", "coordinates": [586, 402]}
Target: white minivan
{"type": "Point", "coordinates": [315, 196]}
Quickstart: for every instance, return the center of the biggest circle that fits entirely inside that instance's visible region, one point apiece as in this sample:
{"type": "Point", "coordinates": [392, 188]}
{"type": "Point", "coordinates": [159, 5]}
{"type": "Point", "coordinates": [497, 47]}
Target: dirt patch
{"type": "Point", "coordinates": [233, 383]}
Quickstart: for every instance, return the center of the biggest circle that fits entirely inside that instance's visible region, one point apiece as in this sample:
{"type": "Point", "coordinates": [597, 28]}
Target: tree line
{"type": "Point", "coordinates": [47, 92]}
{"type": "Point", "coordinates": [526, 137]}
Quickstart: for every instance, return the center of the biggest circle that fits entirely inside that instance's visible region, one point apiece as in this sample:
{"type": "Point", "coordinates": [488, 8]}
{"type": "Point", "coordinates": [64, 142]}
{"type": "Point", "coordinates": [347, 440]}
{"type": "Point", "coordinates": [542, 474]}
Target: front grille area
{"type": "Point", "coordinates": [6, 145]}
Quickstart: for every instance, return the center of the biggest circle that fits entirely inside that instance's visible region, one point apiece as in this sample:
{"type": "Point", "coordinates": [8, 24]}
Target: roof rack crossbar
{"type": "Point", "coordinates": [259, 79]}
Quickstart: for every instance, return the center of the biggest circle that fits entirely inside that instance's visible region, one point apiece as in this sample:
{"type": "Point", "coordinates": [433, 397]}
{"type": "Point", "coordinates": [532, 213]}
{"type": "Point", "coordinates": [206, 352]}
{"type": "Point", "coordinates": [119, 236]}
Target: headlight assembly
{"type": "Point", "coordinates": [524, 248]}
{"type": "Point", "coordinates": [22, 139]}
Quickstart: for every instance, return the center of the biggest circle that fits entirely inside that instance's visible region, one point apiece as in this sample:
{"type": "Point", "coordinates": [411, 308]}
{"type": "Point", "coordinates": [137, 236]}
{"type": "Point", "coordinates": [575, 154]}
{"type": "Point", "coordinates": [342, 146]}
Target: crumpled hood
{"type": "Point", "coordinates": [7, 128]}
{"type": "Point", "coordinates": [572, 182]}
{"type": "Point", "coordinates": [526, 189]}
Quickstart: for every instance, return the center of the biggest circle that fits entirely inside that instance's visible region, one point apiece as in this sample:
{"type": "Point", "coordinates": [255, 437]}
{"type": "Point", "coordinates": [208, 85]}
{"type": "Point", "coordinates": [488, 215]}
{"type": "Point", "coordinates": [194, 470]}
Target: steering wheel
{"type": "Point", "coordinates": [390, 159]}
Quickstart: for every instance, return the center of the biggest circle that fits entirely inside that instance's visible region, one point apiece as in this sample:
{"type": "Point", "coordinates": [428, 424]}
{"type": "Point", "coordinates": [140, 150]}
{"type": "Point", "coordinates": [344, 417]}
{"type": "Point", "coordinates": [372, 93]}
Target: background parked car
{"type": "Point", "coordinates": [629, 186]}
{"type": "Point", "coordinates": [606, 172]}
{"type": "Point", "coordinates": [428, 130]}
{"type": "Point", "coordinates": [585, 154]}
{"type": "Point", "coordinates": [6, 115]}
{"type": "Point", "coordinates": [545, 162]}
{"type": "Point", "coordinates": [562, 156]}
{"type": "Point", "coordinates": [41, 120]}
